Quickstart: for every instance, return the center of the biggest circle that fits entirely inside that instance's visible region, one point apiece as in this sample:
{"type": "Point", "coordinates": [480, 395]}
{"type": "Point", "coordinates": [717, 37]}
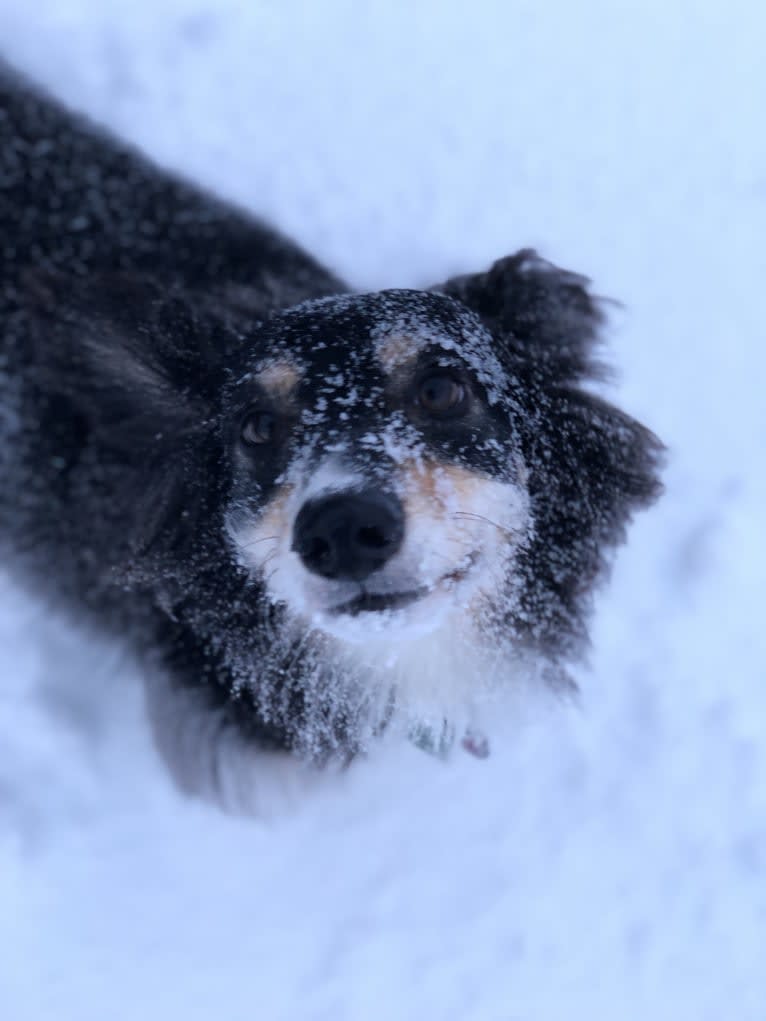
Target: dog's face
{"type": "Point", "coordinates": [379, 489]}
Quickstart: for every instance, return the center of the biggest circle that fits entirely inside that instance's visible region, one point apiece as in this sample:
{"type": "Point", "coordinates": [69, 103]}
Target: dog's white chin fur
{"type": "Point", "coordinates": [434, 654]}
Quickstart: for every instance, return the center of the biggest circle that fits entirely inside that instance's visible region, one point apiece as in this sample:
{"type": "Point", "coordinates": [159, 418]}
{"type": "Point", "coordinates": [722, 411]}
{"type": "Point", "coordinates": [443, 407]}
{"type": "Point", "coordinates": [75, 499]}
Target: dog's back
{"type": "Point", "coordinates": [77, 202]}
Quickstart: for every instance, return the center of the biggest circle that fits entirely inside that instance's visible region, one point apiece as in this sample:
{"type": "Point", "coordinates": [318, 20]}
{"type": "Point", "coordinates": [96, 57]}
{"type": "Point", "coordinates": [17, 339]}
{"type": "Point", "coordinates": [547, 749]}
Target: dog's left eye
{"type": "Point", "coordinates": [259, 427]}
{"type": "Point", "coordinates": [442, 395]}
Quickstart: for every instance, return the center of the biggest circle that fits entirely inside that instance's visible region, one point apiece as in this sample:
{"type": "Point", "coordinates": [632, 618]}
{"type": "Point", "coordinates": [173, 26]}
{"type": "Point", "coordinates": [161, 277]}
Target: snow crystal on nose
{"type": "Point", "coordinates": [332, 476]}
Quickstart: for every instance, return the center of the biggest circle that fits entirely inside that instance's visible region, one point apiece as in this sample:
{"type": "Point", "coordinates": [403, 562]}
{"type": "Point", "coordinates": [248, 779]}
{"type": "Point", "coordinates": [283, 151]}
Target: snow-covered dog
{"type": "Point", "coordinates": [318, 513]}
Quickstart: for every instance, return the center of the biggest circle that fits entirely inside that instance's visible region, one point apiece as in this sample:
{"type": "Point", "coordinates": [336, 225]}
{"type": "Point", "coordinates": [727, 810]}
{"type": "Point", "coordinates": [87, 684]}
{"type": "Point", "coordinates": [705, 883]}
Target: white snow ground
{"type": "Point", "coordinates": [609, 860]}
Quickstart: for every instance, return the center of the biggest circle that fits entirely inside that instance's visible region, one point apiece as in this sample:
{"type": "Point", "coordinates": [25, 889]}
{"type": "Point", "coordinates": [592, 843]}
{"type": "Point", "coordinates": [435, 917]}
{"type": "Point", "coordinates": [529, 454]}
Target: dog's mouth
{"type": "Point", "coordinates": [374, 602]}
{"type": "Point", "coordinates": [377, 602]}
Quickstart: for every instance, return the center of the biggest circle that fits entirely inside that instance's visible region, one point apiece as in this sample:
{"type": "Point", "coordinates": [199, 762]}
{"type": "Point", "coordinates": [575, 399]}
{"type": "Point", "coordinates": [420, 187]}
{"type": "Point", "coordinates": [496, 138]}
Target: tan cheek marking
{"type": "Point", "coordinates": [421, 491]}
{"type": "Point", "coordinates": [425, 487]}
{"type": "Point", "coordinates": [394, 351]}
{"type": "Point", "coordinates": [273, 523]}
{"type": "Point", "coordinates": [279, 377]}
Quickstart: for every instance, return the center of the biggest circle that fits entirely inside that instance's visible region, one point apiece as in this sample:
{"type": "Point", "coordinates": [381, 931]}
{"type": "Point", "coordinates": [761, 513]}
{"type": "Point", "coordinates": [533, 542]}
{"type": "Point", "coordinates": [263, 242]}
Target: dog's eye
{"type": "Point", "coordinates": [259, 427]}
{"type": "Point", "coordinates": [441, 395]}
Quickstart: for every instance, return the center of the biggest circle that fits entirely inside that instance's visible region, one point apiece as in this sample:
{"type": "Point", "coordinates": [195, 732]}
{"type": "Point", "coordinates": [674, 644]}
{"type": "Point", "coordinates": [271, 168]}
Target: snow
{"type": "Point", "coordinates": [608, 860]}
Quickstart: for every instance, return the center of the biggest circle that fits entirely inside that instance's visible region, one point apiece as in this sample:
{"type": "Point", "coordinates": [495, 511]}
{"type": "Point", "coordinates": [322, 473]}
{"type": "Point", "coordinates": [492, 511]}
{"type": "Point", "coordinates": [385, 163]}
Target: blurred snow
{"type": "Point", "coordinates": [609, 860]}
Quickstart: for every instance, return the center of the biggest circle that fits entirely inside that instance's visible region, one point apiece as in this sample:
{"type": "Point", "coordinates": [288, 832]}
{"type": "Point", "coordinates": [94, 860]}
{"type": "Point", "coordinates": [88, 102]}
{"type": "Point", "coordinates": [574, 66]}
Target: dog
{"type": "Point", "coordinates": [319, 515]}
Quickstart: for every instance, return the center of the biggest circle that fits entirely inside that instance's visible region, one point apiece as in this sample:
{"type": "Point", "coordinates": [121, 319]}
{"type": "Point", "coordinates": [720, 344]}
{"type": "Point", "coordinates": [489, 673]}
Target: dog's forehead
{"type": "Point", "coordinates": [360, 340]}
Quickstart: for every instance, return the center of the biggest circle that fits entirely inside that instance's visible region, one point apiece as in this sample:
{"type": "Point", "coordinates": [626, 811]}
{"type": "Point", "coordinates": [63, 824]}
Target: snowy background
{"type": "Point", "coordinates": [609, 860]}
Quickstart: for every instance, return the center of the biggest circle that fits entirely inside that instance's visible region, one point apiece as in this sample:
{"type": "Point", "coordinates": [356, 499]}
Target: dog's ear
{"type": "Point", "coordinates": [128, 356]}
{"type": "Point", "coordinates": [589, 464]}
{"type": "Point", "coordinates": [539, 312]}
{"type": "Point", "coordinates": [132, 375]}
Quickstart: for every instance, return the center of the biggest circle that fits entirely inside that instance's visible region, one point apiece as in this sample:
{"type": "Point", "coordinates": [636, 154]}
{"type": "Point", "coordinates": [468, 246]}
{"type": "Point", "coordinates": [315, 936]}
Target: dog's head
{"type": "Point", "coordinates": [378, 481]}
{"type": "Point", "coordinates": [418, 481]}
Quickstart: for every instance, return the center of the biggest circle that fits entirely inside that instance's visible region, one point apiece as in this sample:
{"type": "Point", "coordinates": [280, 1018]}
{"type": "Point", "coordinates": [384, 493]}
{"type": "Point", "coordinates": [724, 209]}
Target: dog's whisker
{"type": "Point", "coordinates": [504, 529]}
{"type": "Point", "coordinates": [268, 559]}
{"type": "Point", "coordinates": [265, 538]}
{"type": "Point", "coordinates": [271, 574]}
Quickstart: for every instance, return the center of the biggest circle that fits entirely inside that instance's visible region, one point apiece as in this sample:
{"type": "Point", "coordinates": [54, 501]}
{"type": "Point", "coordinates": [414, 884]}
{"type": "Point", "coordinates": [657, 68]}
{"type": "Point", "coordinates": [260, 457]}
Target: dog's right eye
{"type": "Point", "coordinates": [441, 395]}
{"type": "Point", "coordinates": [259, 427]}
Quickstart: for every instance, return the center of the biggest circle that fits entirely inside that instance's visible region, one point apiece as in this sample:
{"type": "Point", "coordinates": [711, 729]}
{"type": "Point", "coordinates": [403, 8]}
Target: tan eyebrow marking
{"type": "Point", "coordinates": [395, 350]}
{"type": "Point", "coordinates": [279, 377]}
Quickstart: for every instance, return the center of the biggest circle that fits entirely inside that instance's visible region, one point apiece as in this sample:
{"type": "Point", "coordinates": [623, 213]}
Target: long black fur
{"type": "Point", "coordinates": [130, 301]}
{"type": "Point", "coordinates": [590, 464]}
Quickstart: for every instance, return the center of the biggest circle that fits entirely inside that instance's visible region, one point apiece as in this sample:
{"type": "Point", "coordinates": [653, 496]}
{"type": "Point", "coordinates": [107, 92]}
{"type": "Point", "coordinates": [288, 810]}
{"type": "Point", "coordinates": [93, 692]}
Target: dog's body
{"type": "Point", "coordinates": [317, 511]}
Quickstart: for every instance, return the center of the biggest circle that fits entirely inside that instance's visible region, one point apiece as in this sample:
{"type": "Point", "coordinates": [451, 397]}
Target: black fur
{"type": "Point", "coordinates": [590, 464]}
{"type": "Point", "coordinates": [130, 306]}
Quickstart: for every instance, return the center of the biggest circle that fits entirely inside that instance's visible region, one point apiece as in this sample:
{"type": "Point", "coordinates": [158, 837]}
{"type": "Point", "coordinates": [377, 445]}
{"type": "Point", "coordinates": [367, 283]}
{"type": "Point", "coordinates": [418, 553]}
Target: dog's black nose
{"type": "Point", "coordinates": [347, 536]}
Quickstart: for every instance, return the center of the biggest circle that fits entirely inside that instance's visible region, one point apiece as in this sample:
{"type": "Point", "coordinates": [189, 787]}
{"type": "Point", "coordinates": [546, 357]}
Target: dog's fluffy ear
{"type": "Point", "coordinates": [129, 357]}
{"type": "Point", "coordinates": [590, 465]}
{"type": "Point", "coordinates": [541, 312]}
{"type": "Point", "coordinates": [131, 375]}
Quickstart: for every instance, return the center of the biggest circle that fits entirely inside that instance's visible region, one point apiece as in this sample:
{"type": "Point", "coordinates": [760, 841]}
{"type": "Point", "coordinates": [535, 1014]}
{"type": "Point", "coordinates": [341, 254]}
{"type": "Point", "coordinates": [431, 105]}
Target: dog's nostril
{"type": "Point", "coordinates": [347, 536]}
{"type": "Point", "coordinates": [372, 538]}
{"type": "Point", "coordinates": [319, 550]}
